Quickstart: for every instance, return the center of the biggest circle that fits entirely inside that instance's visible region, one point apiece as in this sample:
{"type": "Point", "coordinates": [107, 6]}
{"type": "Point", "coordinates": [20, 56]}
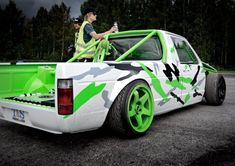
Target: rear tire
{"type": "Point", "coordinates": [215, 91]}
{"type": "Point", "coordinates": [132, 111]}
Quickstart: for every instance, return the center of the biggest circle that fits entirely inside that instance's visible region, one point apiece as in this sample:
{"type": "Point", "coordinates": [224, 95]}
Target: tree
{"type": "Point", "coordinates": [11, 32]}
{"type": "Point", "coordinates": [59, 25]}
{"type": "Point", "coordinates": [224, 33]}
{"type": "Point", "coordinates": [40, 34]}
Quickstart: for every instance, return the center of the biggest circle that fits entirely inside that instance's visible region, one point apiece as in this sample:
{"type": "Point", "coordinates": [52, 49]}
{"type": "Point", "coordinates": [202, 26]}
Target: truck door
{"type": "Point", "coordinates": [192, 80]}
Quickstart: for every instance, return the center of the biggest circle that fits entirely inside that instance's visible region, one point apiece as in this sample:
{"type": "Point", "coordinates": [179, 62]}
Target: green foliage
{"type": "Point", "coordinates": [11, 34]}
{"type": "Point", "coordinates": [208, 25]}
{"type": "Point", "coordinates": [45, 37]}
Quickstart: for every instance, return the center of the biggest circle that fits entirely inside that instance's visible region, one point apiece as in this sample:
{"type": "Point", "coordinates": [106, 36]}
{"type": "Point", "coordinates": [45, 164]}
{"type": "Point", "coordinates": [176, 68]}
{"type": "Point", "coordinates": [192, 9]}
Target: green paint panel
{"type": "Point", "coordinates": [179, 84]}
{"type": "Point", "coordinates": [156, 83]}
{"type": "Point", "coordinates": [207, 67]}
{"type": "Point", "coordinates": [26, 78]}
{"type": "Point", "coordinates": [185, 79]}
{"type": "Point", "coordinates": [176, 83]}
{"type": "Point", "coordinates": [186, 99]}
{"type": "Point", "coordinates": [85, 95]}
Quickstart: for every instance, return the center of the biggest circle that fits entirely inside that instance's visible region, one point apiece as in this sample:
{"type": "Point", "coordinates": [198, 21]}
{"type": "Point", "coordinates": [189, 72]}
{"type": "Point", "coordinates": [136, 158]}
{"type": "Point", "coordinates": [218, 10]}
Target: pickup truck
{"type": "Point", "coordinates": [135, 75]}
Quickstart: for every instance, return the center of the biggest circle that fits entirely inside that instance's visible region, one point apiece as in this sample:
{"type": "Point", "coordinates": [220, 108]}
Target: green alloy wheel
{"type": "Point", "coordinates": [140, 108]}
{"type": "Point", "coordinates": [133, 110]}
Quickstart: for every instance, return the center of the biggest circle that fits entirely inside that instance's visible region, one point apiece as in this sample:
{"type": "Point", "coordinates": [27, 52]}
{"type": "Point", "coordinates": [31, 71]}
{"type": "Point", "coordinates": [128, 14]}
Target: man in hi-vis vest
{"type": "Point", "coordinates": [77, 23]}
{"type": "Point", "coordinates": [87, 35]}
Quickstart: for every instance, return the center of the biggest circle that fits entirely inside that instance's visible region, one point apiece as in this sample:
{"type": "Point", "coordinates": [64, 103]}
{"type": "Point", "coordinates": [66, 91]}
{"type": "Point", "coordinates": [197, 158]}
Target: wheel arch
{"type": "Point", "coordinates": [118, 87]}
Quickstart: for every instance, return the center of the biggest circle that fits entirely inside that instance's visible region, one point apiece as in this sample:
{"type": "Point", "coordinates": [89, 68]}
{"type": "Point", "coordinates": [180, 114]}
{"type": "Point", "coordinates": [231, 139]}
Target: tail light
{"type": "Point", "coordinates": [65, 96]}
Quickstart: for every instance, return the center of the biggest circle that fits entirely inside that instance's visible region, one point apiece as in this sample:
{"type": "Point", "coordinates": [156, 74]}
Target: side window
{"type": "Point", "coordinates": [185, 53]}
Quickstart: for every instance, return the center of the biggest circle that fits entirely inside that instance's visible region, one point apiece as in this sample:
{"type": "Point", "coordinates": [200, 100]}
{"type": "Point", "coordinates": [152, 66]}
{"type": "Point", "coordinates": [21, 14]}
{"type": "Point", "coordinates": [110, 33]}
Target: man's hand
{"type": "Point", "coordinates": [114, 29]}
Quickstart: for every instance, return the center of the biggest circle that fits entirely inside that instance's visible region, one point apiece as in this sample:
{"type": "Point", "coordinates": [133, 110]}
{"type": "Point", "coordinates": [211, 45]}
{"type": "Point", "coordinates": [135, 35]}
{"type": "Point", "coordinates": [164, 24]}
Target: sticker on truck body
{"type": "Point", "coordinates": [18, 115]}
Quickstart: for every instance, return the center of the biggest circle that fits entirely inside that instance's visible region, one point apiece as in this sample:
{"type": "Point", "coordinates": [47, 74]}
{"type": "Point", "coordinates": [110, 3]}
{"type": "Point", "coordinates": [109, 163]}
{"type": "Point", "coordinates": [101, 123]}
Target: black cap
{"type": "Point", "coordinates": [88, 10]}
{"type": "Point", "coordinates": [77, 20]}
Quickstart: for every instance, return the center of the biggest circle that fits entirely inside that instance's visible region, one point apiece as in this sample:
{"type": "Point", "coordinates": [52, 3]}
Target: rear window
{"type": "Point", "coordinates": [150, 50]}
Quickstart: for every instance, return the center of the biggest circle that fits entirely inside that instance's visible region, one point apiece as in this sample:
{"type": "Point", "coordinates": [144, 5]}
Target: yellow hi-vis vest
{"type": "Point", "coordinates": [76, 38]}
{"type": "Point", "coordinates": [80, 45]}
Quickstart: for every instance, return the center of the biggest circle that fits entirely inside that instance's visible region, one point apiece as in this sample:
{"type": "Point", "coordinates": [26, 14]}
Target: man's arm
{"type": "Point", "coordinates": [101, 35]}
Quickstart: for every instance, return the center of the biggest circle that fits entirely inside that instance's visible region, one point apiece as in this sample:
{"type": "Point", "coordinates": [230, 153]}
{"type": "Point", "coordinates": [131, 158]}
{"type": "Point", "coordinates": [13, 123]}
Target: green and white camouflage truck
{"type": "Point", "coordinates": [134, 76]}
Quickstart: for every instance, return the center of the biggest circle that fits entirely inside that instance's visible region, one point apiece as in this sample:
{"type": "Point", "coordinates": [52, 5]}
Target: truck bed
{"type": "Point", "coordinates": [46, 99]}
{"type": "Point", "coordinates": [27, 95]}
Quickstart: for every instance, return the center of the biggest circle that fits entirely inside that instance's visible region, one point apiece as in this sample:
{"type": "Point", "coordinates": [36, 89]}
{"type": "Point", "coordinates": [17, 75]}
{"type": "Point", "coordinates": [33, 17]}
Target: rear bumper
{"type": "Point", "coordinates": [32, 115]}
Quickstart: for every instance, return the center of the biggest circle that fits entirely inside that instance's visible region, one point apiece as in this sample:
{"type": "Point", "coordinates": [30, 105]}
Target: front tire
{"type": "Point", "coordinates": [215, 91]}
{"type": "Point", "coordinates": [132, 111]}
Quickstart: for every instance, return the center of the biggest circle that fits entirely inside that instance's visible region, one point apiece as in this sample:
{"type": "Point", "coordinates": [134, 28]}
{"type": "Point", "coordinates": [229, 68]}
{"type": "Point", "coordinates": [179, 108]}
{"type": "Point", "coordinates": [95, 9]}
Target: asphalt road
{"type": "Point", "coordinates": [195, 135]}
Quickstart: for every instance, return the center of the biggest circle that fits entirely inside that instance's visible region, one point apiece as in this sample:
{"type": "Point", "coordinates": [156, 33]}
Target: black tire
{"type": "Point", "coordinates": [119, 117]}
{"type": "Point", "coordinates": [215, 91]}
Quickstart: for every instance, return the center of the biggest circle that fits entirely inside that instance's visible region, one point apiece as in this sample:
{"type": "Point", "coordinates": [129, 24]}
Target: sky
{"type": "Point", "coordinates": [30, 7]}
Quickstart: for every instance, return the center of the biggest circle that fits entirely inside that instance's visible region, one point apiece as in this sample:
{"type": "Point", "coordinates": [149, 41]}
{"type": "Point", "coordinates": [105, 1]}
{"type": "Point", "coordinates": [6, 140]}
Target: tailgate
{"type": "Point", "coordinates": [30, 114]}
